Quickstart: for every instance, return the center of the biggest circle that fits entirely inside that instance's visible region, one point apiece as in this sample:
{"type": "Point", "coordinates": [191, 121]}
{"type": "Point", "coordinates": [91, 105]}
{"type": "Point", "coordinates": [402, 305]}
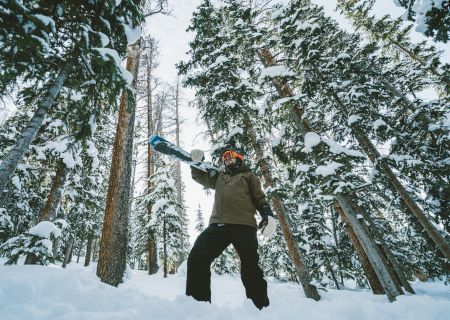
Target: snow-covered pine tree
{"type": "Point", "coordinates": [199, 221]}
{"type": "Point", "coordinates": [394, 36]}
{"type": "Point", "coordinates": [320, 70]}
{"type": "Point", "coordinates": [432, 18]}
{"type": "Point", "coordinates": [223, 51]}
{"type": "Point", "coordinates": [166, 220]}
{"type": "Point", "coordinates": [97, 39]}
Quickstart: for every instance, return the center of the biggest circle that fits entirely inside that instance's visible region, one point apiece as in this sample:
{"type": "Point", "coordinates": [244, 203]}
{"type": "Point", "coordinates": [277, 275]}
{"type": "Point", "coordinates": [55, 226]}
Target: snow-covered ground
{"type": "Point", "coordinates": [36, 292]}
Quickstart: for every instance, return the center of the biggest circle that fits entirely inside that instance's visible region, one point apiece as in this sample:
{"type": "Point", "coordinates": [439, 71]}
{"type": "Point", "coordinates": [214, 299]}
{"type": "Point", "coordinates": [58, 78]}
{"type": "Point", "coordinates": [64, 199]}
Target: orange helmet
{"type": "Point", "coordinates": [231, 154]}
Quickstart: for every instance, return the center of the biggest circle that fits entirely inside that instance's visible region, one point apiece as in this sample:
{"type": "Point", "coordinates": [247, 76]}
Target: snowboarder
{"type": "Point", "coordinates": [238, 195]}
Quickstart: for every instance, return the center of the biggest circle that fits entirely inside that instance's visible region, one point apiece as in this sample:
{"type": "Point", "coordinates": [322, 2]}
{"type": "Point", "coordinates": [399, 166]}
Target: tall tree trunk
{"type": "Point", "coordinates": [299, 261]}
{"type": "Point", "coordinates": [376, 158]}
{"type": "Point", "coordinates": [94, 249]}
{"type": "Point", "coordinates": [371, 276]}
{"type": "Point", "coordinates": [87, 259]}
{"type": "Point", "coordinates": [152, 257]}
{"type": "Point", "coordinates": [370, 247]}
{"type": "Point", "coordinates": [165, 247]}
{"type": "Point", "coordinates": [113, 246]}
{"type": "Point", "coordinates": [50, 210]}
{"type": "Point", "coordinates": [336, 240]}
{"type": "Point", "coordinates": [68, 253]}
{"type": "Point", "coordinates": [79, 251]}
{"type": "Point", "coordinates": [12, 158]}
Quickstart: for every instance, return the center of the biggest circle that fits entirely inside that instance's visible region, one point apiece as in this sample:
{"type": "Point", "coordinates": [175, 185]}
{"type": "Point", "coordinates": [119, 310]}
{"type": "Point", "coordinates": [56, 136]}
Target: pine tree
{"type": "Point", "coordinates": [199, 222]}
{"type": "Point", "coordinates": [431, 18]}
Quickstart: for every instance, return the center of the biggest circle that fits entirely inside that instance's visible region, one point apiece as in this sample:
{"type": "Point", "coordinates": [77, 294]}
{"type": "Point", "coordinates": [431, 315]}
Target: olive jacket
{"type": "Point", "coordinates": [238, 195]}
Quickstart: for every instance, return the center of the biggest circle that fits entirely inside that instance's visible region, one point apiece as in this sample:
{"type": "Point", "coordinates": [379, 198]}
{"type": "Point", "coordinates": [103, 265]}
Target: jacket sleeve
{"type": "Point", "coordinates": [258, 196]}
{"type": "Point", "coordinates": [204, 178]}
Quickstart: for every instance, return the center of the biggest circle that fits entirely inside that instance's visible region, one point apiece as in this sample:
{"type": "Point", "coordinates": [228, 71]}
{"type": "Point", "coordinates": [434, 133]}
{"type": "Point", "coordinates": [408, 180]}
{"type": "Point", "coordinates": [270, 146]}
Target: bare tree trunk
{"type": "Point", "coordinates": [68, 253]}
{"type": "Point", "coordinates": [95, 250]}
{"type": "Point", "coordinates": [113, 246]}
{"type": "Point", "coordinates": [372, 277]}
{"type": "Point", "coordinates": [398, 270]}
{"type": "Point", "coordinates": [79, 252]}
{"type": "Point", "coordinates": [87, 259]}
{"type": "Point", "coordinates": [51, 207]}
{"type": "Point", "coordinates": [334, 225]}
{"type": "Point", "coordinates": [299, 261]}
{"type": "Point", "coordinates": [152, 258]}
{"type": "Point", "coordinates": [165, 247]}
{"type": "Point", "coordinates": [12, 158]}
{"type": "Point", "coordinates": [344, 201]}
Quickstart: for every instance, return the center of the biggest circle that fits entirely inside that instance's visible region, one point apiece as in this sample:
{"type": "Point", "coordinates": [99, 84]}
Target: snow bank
{"type": "Point", "coordinates": [36, 292]}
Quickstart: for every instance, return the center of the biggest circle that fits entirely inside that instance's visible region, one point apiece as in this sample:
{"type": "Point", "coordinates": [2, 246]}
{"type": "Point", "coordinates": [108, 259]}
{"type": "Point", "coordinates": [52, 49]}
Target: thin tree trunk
{"type": "Point", "coordinates": [334, 225]}
{"type": "Point", "coordinates": [68, 253]}
{"type": "Point", "coordinates": [299, 261]}
{"type": "Point", "coordinates": [79, 252]}
{"type": "Point", "coordinates": [165, 247]}
{"type": "Point", "coordinates": [87, 259]}
{"type": "Point", "coordinates": [333, 274]}
{"type": "Point", "coordinates": [344, 201]}
{"type": "Point", "coordinates": [94, 250]}
{"type": "Point", "coordinates": [152, 258]}
{"type": "Point", "coordinates": [12, 158]}
{"type": "Point", "coordinates": [113, 246]}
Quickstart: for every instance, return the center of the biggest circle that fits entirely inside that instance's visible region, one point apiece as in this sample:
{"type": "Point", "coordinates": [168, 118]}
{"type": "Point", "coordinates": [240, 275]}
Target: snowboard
{"type": "Point", "coordinates": [161, 145]}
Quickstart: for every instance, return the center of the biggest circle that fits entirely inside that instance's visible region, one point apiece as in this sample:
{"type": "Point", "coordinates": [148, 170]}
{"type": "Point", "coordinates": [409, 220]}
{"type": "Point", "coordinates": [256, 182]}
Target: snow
{"type": "Point", "coordinates": [352, 119]}
{"type": "Point", "coordinates": [43, 43]}
{"type": "Point", "coordinates": [46, 20]}
{"type": "Point", "coordinates": [273, 72]}
{"type": "Point", "coordinates": [337, 148]}
{"type": "Point", "coordinates": [378, 123]}
{"type": "Point", "coordinates": [37, 292]}
{"type": "Point", "coordinates": [15, 180]}
{"type": "Point", "coordinates": [328, 169]}
{"type": "Point", "coordinates": [107, 54]}
{"type": "Point", "coordinates": [312, 139]}
{"type": "Point", "coordinates": [45, 229]}
{"type": "Point", "coordinates": [132, 34]}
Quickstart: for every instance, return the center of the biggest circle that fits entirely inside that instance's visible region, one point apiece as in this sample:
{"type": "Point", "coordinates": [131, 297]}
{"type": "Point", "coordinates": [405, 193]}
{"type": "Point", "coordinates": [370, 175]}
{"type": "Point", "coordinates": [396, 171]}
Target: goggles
{"type": "Point", "coordinates": [230, 154]}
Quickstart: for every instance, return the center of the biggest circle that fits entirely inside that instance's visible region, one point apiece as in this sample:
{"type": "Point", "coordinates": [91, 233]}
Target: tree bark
{"type": "Point", "coordinates": [114, 239]}
{"type": "Point", "coordinates": [51, 207]}
{"type": "Point", "coordinates": [371, 276]}
{"type": "Point", "coordinates": [12, 158]}
{"type": "Point", "coordinates": [87, 259]}
{"type": "Point", "coordinates": [152, 258]}
{"type": "Point", "coordinates": [68, 253]}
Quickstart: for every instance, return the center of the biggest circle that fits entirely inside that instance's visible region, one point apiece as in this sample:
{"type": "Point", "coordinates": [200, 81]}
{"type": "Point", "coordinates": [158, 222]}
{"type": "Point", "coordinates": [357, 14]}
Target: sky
{"type": "Point", "coordinates": [174, 43]}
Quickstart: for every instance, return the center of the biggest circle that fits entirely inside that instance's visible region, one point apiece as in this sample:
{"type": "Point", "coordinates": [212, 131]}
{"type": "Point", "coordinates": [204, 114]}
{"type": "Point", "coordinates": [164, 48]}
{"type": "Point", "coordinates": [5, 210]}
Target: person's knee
{"type": "Point", "coordinates": [196, 258]}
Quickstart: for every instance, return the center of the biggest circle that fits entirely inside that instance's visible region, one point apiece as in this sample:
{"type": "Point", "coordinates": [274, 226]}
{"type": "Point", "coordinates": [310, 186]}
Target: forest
{"type": "Point", "coordinates": [349, 132]}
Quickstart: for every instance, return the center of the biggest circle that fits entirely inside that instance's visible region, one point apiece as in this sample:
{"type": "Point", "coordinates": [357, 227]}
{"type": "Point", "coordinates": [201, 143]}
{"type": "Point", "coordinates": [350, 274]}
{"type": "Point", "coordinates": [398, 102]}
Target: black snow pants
{"type": "Point", "coordinates": [209, 245]}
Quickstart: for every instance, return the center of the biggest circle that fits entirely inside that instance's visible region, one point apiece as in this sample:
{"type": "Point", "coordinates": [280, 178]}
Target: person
{"type": "Point", "coordinates": [238, 195]}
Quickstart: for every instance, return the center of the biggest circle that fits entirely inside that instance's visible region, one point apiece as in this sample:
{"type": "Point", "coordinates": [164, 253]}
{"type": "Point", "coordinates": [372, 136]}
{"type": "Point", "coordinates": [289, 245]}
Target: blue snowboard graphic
{"type": "Point", "coordinates": [168, 148]}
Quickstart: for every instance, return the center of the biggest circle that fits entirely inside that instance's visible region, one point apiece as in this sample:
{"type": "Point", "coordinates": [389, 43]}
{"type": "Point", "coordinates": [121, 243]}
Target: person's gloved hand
{"type": "Point", "coordinates": [197, 155]}
{"type": "Point", "coordinates": [267, 223]}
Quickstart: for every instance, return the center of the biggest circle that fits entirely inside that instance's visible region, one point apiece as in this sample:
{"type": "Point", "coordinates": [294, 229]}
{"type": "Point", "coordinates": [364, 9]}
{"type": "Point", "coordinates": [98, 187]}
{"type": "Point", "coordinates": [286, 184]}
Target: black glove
{"type": "Point", "coordinates": [265, 212]}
